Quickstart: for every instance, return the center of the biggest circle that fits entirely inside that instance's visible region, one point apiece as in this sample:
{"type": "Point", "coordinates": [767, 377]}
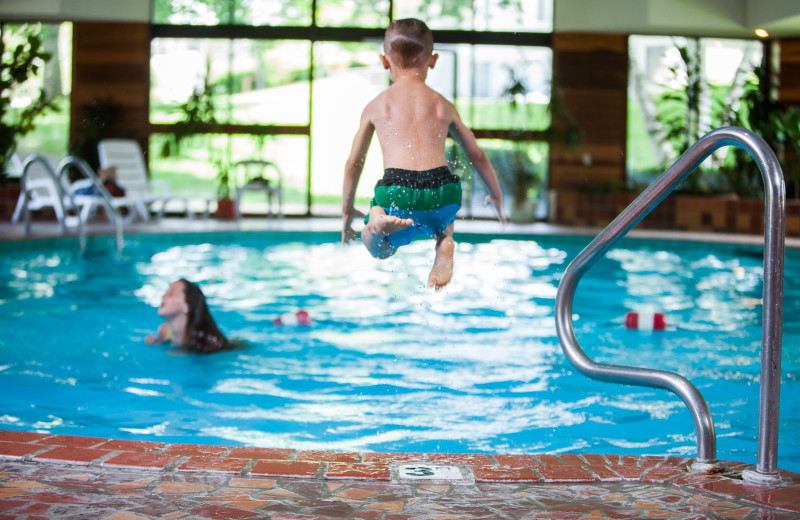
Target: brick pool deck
{"type": "Point", "coordinates": [61, 476]}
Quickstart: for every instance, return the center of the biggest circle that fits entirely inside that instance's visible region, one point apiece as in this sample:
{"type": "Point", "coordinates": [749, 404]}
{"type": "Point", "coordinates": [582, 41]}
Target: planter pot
{"type": "Point", "coordinates": [226, 209]}
{"type": "Point", "coordinates": [523, 212]}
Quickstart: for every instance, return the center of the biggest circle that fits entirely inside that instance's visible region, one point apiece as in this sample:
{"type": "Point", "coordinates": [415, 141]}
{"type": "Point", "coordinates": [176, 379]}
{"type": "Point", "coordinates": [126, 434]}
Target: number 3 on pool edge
{"type": "Point", "coordinates": [418, 471]}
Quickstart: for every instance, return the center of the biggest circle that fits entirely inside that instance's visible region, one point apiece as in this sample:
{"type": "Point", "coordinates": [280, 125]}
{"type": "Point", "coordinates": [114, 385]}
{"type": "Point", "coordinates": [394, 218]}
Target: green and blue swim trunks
{"type": "Point", "coordinates": [431, 198]}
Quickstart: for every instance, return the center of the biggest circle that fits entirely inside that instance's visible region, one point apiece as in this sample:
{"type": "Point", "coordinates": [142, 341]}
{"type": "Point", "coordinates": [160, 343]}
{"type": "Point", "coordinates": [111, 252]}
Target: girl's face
{"type": "Point", "coordinates": [173, 303]}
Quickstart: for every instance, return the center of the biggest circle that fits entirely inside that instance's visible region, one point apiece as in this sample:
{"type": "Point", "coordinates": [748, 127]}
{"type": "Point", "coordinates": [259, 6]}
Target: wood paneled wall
{"type": "Point", "coordinates": [112, 61]}
{"type": "Point", "coordinates": [789, 76]}
{"type": "Point", "coordinates": [590, 73]}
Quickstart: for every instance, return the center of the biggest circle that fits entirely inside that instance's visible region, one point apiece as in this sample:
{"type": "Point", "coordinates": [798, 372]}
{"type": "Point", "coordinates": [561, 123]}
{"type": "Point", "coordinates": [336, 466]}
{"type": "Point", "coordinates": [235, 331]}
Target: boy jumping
{"type": "Point", "coordinates": [418, 193]}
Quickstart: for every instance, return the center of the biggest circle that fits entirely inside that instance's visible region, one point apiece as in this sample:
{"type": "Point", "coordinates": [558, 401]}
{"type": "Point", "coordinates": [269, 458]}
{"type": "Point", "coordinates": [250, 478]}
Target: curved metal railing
{"type": "Point", "coordinates": [107, 200]}
{"type": "Point", "coordinates": [62, 203]}
{"type": "Point", "coordinates": [775, 230]}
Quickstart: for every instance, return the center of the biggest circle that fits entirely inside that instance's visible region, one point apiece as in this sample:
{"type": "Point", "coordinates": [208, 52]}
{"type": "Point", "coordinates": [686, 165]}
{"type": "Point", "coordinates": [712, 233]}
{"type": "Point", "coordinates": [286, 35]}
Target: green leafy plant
{"type": "Point", "coordinates": [100, 114]}
{"type": "Point", "coordinates": [199, 117]}
{"type": "Point", "coordinates": [17, 67]}
{"type": "Point", "coordinates": [679, 107]}
{"type": "Point", "coordinates": [515, 166]}
{"type": "Point", "coordinates": [779, 126]}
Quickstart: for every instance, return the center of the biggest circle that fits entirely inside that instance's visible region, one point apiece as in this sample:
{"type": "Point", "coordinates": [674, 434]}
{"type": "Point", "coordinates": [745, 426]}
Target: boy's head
{"type": "Point", "coordinates": [408, 43]}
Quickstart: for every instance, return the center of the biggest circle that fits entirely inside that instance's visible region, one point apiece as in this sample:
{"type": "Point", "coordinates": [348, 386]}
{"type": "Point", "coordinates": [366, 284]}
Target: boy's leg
{"type": "Point", "coordinates": [442, 270]}
{"type": "Point", "coordinates": [378, 227]}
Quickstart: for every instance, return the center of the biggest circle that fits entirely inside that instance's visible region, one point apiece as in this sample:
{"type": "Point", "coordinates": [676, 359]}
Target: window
{"type": "Point", "coordinates": [51, 133]}
{"type": "Point", "coordinates": [290, 85]}
{"type": "Point", "coordinates": [662, 120]}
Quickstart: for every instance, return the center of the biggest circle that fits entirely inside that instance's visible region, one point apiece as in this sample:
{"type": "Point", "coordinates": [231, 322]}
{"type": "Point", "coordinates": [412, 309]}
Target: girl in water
{"type": "Point", "coordinates": [188, 321]}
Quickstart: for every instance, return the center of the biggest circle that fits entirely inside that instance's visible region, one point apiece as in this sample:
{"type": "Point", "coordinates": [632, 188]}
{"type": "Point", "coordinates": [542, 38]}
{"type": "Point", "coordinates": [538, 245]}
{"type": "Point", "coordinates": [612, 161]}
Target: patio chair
{"type": "Point", "coordinates": [259, 175]}
{"type": "Point", "coordinates": [125, 155]}
{"type": "Point", "coordinates": [39, 190]}
{"type": "Point", "coordinates": [88, 193]}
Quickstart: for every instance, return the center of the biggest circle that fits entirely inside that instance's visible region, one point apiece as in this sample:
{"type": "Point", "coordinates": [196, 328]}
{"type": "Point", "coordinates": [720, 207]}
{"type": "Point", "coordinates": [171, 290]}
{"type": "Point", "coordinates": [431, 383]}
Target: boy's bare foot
{"type": "Point", "coordinates": [388, 224]}
{"type": "Point", "coordinates": [379, 226]}
{"type": "Point", "coordinates": [442, 270]}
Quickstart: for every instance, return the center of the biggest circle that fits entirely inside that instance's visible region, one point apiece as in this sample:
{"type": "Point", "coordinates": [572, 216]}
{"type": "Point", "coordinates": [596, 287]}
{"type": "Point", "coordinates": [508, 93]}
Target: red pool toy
{"type": "Point", "coordinates": [645, 321]}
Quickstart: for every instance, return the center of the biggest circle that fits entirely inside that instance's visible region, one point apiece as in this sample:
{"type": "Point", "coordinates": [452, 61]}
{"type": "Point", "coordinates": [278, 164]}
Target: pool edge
{"type": "Point", "coordinates": [245, 462]}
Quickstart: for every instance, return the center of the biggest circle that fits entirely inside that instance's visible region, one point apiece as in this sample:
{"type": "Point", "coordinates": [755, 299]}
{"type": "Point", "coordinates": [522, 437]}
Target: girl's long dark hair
{"type": "Point", "coordinates": [202, 333]}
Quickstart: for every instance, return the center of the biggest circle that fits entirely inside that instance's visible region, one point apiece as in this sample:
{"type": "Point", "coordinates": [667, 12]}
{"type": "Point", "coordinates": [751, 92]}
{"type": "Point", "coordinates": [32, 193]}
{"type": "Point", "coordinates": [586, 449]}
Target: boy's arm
{"type": "Point", "coordinates": [480, 161]}
{"type": "Point", "coordinates": [352, 173]}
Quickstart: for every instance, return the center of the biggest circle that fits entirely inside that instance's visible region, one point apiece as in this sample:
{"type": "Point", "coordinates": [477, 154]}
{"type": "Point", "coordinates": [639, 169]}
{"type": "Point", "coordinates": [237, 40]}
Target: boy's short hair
{"type": "Point", "coordinates": [409, 42]}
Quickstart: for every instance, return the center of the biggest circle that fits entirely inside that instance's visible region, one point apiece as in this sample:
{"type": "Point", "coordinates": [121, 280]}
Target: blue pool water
{"type": "Point", "coordinates": [390, 365]}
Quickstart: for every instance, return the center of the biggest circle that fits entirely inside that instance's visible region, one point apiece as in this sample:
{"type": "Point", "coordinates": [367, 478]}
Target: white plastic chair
{"type": "Point", "coordinates": [131, 174]}
{"type": "Point", "coordinates": [87, 203]}
{"type": "Point", "coordinates": [39, 189]}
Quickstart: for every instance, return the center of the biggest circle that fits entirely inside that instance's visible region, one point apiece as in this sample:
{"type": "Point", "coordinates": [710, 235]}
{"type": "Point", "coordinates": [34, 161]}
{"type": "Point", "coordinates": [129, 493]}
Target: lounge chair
{"type": "Point", "coordinates": [125, 155]}
{"type": "Point", "coordinates": [88, 193]}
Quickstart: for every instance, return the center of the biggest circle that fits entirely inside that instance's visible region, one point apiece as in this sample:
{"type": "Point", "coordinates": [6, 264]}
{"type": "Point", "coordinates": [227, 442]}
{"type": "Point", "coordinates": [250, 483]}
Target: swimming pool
{"type": "Point", "coordinates": [390, 365]}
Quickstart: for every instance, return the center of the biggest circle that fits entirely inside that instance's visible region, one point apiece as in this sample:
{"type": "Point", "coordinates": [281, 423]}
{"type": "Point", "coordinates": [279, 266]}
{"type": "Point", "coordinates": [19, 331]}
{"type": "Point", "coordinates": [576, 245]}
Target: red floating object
{"type": "Point", "coordinates": [645, 321]}
{"type": "Point", "coordinates": [300, 317]}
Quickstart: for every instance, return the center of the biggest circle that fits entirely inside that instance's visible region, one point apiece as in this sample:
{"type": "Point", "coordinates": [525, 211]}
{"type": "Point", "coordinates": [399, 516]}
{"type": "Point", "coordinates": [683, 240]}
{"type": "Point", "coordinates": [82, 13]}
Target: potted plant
{"type": "Point", "coordinates": [515, 166]}
{"type": "Point", "coordinates": [226, 206]}
{"type": "Point", "coordinates": [525, 186]}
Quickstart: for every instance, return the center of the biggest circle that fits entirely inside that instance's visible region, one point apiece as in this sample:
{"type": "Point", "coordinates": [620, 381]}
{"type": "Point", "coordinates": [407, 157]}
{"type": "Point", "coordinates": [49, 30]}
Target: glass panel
{"type": "Point", "coordinates": [514, 15]}
{"type": "Point", "coordinates": [347, 77]}
{"type": "Point", "coordinates": [495, 87]}
{"type": "Point", "coordinates": [354, 13]}
{"type": "Point", "coordinates": [50, 136]}
{"type": "Point", "coordinates": [192, 12]}
{"type": "Point", "coordinates": [193, 173]}
{"type": "Point", "coordinates": [289, 154]}
{"type": "Point", "coordinates": [661, 120]}
{"type": "Point", "coordinates": [438, 14]}
{"type": "Point", "coordinates": [179, 66]}
{"type": "Point", "coordinates": [269, 82]}
{"type": "Point", "coordinates": [511, 87]}
{"type": "Point", "coordinates": [273, 12]}
{"type": "Point", "coordinates": [486, 15]}
{"type": "Point", "coordinates": [252, 81]}
{"type": "Point", "coordinates": [521, 169]}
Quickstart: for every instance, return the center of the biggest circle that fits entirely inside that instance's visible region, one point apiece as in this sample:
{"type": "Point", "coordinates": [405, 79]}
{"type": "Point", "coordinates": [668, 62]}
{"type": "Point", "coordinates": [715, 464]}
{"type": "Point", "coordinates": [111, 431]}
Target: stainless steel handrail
{"type": "Point", "coordinates": [61, 196]}
{"type": "Point", "coordinates": [775, 231]}
{"type": "Point", "coordinates": [86, 170]}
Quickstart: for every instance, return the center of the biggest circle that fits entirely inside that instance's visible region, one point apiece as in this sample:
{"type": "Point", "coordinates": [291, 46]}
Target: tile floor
{"type": "Point", "coordinates": [61, 476]}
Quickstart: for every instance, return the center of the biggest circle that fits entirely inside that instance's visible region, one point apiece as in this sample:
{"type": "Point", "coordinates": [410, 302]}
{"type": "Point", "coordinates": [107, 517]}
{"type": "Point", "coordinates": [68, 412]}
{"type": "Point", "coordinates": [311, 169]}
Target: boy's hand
{"type": "Point", "coordinates": [498, 206]}
{"type": "Point", "coordinates": [348, 233]}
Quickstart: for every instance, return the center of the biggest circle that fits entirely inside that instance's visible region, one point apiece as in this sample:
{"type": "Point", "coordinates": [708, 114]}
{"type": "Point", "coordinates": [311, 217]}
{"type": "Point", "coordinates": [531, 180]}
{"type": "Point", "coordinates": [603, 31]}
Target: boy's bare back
{"type": "Point", "coordinates": [411, 121]}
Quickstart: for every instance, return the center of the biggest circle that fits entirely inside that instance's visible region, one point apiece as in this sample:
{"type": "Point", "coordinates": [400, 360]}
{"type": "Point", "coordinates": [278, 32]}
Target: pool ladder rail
{"type": "Point", "coordinates": [765, 471]}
